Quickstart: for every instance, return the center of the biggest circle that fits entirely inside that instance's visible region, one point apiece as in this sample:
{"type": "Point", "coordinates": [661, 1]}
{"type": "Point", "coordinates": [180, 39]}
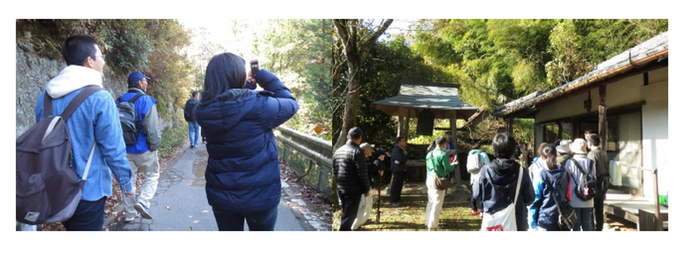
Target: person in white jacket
{"type": "Point", "coordinates": [584, 209]}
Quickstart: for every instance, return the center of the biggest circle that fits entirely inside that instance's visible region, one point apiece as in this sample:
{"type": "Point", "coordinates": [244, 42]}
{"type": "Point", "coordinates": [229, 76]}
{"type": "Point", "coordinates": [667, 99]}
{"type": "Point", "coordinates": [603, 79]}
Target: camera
{"type": "Point", "coordinates": [254, 67]}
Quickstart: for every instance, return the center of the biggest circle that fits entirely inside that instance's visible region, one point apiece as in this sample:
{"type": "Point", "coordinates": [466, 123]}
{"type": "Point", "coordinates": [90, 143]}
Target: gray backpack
{"type": "Point", "coordinates": [129, 119]}
{"type": "Point", "coordinates": [48, 187]}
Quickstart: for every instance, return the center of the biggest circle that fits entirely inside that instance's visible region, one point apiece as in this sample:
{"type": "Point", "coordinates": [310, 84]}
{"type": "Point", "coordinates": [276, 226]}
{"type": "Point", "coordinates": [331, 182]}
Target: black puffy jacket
{"type": "Point", "coordinates": [496, 189]}
{"type": "Point", "coordinates": [350, 169]}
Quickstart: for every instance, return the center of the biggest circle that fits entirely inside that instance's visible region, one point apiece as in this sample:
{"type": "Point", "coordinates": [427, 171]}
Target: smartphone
{"type": "Point", "coordinates": [254, 67]}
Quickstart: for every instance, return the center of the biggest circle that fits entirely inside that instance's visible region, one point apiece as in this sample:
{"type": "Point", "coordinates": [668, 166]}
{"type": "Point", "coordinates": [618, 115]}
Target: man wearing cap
{"type": "Point", "coordinates": [350, 170]}
{"type": "Point", "coordinates": [143, 155]}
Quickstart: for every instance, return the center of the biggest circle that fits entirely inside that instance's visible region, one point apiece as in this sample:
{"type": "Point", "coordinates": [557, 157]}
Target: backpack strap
{"type": "Point", "coordinates": [136, 97]}
{"type": "Point", "coordinates": [77, 100]}
{"type": "Point", "coordinates": [579, 167]}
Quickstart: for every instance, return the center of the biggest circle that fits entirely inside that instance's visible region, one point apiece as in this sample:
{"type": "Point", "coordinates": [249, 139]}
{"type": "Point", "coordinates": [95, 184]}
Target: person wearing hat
{"type": "Point", "coordinates": [143, 155]}
{"type": "Point", "coordinates": [373, 163]}
{"type": "Point", "coordinates": [583, 209]}
{"type": "Point", "coordinates": [563, 151]}
{"type": "Point", "coordinates": [350, 170]}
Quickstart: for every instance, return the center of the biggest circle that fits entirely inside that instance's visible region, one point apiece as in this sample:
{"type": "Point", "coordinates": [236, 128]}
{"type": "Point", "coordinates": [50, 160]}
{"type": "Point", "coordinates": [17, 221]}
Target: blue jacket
{"type": "Point", "coordinates": [496, 189]}
{"type": "Point", "coordinates": [149, 134]}
{"type": "Point", "coordinates": [243, 173]}
{"type": "Point", "coordinates": [95, 120]}
{"type": "Point", "coordinates": [549, 185]}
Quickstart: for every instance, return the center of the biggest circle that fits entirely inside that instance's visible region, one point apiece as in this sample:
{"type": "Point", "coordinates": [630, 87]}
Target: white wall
{"type": "Point", "coordinates": [644, 142]}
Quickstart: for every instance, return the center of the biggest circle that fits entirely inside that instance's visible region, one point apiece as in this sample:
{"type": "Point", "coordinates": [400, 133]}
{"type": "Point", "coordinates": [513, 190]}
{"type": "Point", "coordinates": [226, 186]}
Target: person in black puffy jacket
{"type": "Point", "coordinates": [243, 173]}
{"type": "Point", "coordinates": [350, 170]}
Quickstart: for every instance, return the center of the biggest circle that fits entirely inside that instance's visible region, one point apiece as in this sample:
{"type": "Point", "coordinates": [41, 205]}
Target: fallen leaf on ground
{"type": "Point", "coordinates": [205, 211]}
{"type": "Point", "coordinates": [167, 207]}
{"type": "Point", "coordinates": [196, 221]}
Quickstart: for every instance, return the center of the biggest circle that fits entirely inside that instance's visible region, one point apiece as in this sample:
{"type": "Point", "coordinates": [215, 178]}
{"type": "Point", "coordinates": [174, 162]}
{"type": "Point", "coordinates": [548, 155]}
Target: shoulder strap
{"type": "Point", "coordinates": [77, 100]}
{"type": "Point", "coordinates": [48, 108]}
{"type": "Point", "coordinates": [136, 97]}
{"type": "Point", "coordinates": [517, 188]}
{"type": "Point", "coordinates": [87, 165]}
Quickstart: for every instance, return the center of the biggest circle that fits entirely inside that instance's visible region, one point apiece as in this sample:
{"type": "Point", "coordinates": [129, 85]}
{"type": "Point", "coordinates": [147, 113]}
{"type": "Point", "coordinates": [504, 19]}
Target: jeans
{"type": "Point", "coordinates": [350, 205]}
{"type": "Point", "coordinates": [396, 186]}
{"type": "Point", "coordinates": [585, 219]}
{"type": "Point", "coordinates": [435, 199]}
{"type": "Point", "coordinates": [257, 221]}
{"type": "Point", "coordinates": [194, 132]}
{"type": "Point", "coordinates": [147, 163]}
{"type": "Point", "coordinates": [89, 216]}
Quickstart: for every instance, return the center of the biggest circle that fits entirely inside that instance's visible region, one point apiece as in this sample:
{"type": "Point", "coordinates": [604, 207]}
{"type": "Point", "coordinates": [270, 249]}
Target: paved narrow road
{"type": "Point", "coordinates": [180, 202]}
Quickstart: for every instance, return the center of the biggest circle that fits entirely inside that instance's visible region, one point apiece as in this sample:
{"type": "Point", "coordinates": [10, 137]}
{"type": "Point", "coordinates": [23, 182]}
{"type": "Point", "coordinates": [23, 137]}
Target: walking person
{"type": "Point", "coordinates": [601, 160]}
{"type": "Point", "coordinates": [399, 157]}
{"type": "Point", "coordinates": [584, 209]}
{"type": "Point", "coordinates": [551, 189]}
{"type": "Point", "coordinates": [499, 179]}
{"type": "Point", "coordinates": [438, 166]}
{"type": "Point", "coordinates": [191, 104]}
{"type": "Point", "coordinates": [243, 174]}
{"type": "Point", "coordinates": [143, 154]}
{"type": "Point", "coordinates": [350, 169]}
{"type": "Point", "coordinates": [93, 125]}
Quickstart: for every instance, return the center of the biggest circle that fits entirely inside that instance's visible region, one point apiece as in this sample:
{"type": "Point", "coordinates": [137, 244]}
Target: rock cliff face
{"type": "Point", "coordinates": [33, 72]}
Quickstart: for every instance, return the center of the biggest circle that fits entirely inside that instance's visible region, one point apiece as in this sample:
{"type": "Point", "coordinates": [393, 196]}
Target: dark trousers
{"type": "Point", "coordinates": [257, 221]}
{"type": "Point", "coordinates": [350, 204]}
{"type": "Point", "coordinates": [396, 186]}
{"type": "Point", "coordinates": [89, 216]}
{"type": "Point", "coordinates": [599, 204]}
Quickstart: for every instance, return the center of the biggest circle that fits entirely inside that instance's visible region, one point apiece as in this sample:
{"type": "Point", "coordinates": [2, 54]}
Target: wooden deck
{"type": "Point", "coordinates": [635, 209]}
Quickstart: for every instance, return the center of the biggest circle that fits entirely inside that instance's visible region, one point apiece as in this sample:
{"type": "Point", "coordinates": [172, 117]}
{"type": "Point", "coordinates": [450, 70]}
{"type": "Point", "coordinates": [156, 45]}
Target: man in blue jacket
{"type": "Point", "coordinates": [95, 121]}
{"type": "Point", "coordinates": [399, 157]}
{"type": "Point", "coordinates": [143, 155]}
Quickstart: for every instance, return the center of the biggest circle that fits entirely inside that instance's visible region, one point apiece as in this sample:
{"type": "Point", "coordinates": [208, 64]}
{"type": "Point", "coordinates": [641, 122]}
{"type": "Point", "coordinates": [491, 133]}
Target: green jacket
{"type": "Point", "coordinates": [438, 162]}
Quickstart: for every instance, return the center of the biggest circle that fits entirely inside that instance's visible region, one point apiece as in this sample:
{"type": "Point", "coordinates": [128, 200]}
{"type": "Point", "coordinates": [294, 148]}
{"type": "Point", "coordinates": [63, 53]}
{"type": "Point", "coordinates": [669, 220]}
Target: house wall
{"type": "Point", "coordinates": [643, 136]}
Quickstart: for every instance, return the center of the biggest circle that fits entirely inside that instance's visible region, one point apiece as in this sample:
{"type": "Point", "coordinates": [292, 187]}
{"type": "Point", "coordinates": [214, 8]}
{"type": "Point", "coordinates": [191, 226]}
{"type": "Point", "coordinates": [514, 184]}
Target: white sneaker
{"type": "Point", "coordinates": [130, 219]}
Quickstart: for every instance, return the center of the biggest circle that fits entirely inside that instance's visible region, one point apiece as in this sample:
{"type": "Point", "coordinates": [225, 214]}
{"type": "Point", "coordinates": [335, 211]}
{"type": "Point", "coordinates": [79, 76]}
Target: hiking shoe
{"type": "Point", "coordinates": [476, 212]}
{"type": "Point", "coordinates": [191, 146]}
{"type": "Point", "coordinates": [143, 209]}
{"type": "Point", "coordinates": [130, 219]}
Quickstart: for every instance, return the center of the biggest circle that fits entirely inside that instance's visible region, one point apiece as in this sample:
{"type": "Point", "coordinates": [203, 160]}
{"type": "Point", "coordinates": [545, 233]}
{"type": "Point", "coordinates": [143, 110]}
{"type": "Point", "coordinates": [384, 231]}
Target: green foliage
{"type": "Point", "coordinates": [391, 64]}
{"type": "Point", "coordinates": [299, 51]}
{"type": "Point", "coordinates": [173, 138]}
{"type": "Point", "coordinates": [150, 46]}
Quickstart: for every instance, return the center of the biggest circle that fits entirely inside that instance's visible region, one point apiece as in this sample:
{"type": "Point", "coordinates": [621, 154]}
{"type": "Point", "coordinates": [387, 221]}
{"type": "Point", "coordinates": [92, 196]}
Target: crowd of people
{"type": "Point", "coordinates": [121, 137]}
{"type": "Point", "coordinates": [565, 174]}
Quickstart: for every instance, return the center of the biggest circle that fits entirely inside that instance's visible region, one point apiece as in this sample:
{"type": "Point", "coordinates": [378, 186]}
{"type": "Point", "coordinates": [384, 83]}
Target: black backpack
{"type": "Point", "coordinates": [586, 186]}
{"type": "Point", "coordinates": [567, 215]}
{"type": "Point", "coordinates": [129, 119]}
{"type": "Point", "coordinates": [48, 188]}
{"type": "Point", "coordinates": [189, 110]}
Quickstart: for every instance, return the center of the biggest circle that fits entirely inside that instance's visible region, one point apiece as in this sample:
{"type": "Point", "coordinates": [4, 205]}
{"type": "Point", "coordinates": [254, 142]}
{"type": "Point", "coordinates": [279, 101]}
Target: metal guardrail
{"type": "Point", "coordinates": [309, 157]}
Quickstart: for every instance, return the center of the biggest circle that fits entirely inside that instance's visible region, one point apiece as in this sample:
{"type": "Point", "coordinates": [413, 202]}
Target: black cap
{"type": "Point", "coordinates": [355, 133]}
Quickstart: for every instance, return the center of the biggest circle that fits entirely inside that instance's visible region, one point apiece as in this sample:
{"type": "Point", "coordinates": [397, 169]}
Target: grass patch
{"type": "Point", "coordinates": [410, 216]}
{"type": "Point", "coordinates": [171, 139]}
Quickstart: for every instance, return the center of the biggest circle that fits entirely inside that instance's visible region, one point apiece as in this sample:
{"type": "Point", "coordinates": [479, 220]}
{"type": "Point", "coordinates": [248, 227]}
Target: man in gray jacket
{"type": "Point", "coordinates": [143, 154]}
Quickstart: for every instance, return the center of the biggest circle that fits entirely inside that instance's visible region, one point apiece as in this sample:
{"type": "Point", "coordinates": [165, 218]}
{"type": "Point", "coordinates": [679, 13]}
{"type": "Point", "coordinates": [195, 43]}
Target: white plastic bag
{"type": "Point", "coordinates": [363, 212]}
{"type": "Point", "coordinates": [503, 220]}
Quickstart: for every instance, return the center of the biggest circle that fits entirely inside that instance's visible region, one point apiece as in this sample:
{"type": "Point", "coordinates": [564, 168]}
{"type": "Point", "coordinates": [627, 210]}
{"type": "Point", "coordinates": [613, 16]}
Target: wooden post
{"type": "Point", "coordinates": [399, 132]}
{"type": "Point", "coordinates": [459, 193]}
{"type": "Point", "coordinates": [656, 200]}
{"type": "Point", "coordinates": [404, 127]}
{"type": "Point", "coordinates": [602, 118]}
{"type": "Point", "coordinates": [510, 125]}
